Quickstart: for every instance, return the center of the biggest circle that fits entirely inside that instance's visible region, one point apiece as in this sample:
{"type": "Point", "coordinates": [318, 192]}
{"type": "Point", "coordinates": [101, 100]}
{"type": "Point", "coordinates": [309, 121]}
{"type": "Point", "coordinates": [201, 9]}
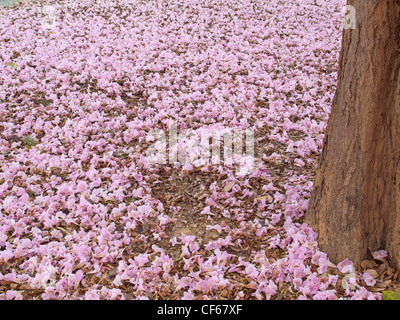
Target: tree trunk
{"type": "Point", "coordinates": [355, 205]}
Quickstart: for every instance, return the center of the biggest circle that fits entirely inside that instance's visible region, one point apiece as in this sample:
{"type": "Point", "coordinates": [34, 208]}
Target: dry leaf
{"type": "Point", "coordinates": [113, 272]}
{"type": "Point", "coordinates": [65, 231]}
{"type": "Point", "coordinates": [128, 296]}
{"type": "Point", "coordinates": [369, 264]}
{"type": "Point", "coordinates": [16, 285]}
{"type": "Point", "coordinates": [235, 249]}
{"type": "Point", "coordinates": [92, 272]}
{"type": "Point", "coordinates": [382, 268]}
{"type": "Point", "coordinates": [229, 186]}
{"type": "Point", "coordinates": [260, 215]}
{"type": "Point", "coordinates": [249, 286]}
{"type": "Point", "coordinates": [374, 289]}
{"type": "Point", "coordinates": [21, 287]}
{"type": "Point", "coordinates": [324, 275]}
{"type": "Point", "coordinates": [390, 271]}
{"type": "Point", "coordinates": [80, 265]}
{"type": "Point", "coordinates": [373, 273]}
{"type": "Point", "coordinates": [380, 284]}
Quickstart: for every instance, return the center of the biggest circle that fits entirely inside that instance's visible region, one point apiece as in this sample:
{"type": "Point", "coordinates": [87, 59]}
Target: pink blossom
{"type": "Point", "coordinates": [346, 266]}
{"type": "Point", "coordinates": [369, 280]}
{"type": "Point", "coordinates": [141, 259]}
{"type": "Point", "coordinates": [381, 254]}
{"type": "Point", "coordinates": [82, 186]}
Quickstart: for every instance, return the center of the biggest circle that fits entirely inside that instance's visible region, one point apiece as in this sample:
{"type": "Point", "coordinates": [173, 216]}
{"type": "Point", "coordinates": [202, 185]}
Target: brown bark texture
{"type": "Point", "coordinates": [355, 205]}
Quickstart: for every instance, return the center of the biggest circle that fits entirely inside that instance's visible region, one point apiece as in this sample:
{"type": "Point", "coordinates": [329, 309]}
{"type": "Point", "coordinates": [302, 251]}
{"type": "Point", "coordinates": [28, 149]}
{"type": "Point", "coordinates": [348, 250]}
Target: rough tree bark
{"type": "Point", "coordinates": [355, 205]}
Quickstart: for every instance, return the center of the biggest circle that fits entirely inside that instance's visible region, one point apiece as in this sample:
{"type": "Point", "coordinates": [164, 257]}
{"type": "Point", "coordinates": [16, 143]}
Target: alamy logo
{"type": "Point", "coordinates": [350, 280]}
{"type": "Point", "coordinates": [202, 146]}
{"type": "Point", "coordinates": [49, 19]}
{"type": "Point", "coordinates": [349, 20]}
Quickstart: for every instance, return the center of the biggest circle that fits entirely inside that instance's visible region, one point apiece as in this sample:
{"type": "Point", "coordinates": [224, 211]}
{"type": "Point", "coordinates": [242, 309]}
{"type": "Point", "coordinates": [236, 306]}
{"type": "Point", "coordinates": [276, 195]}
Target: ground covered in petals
{"type": "Point", "coordinates": [86, 214]}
